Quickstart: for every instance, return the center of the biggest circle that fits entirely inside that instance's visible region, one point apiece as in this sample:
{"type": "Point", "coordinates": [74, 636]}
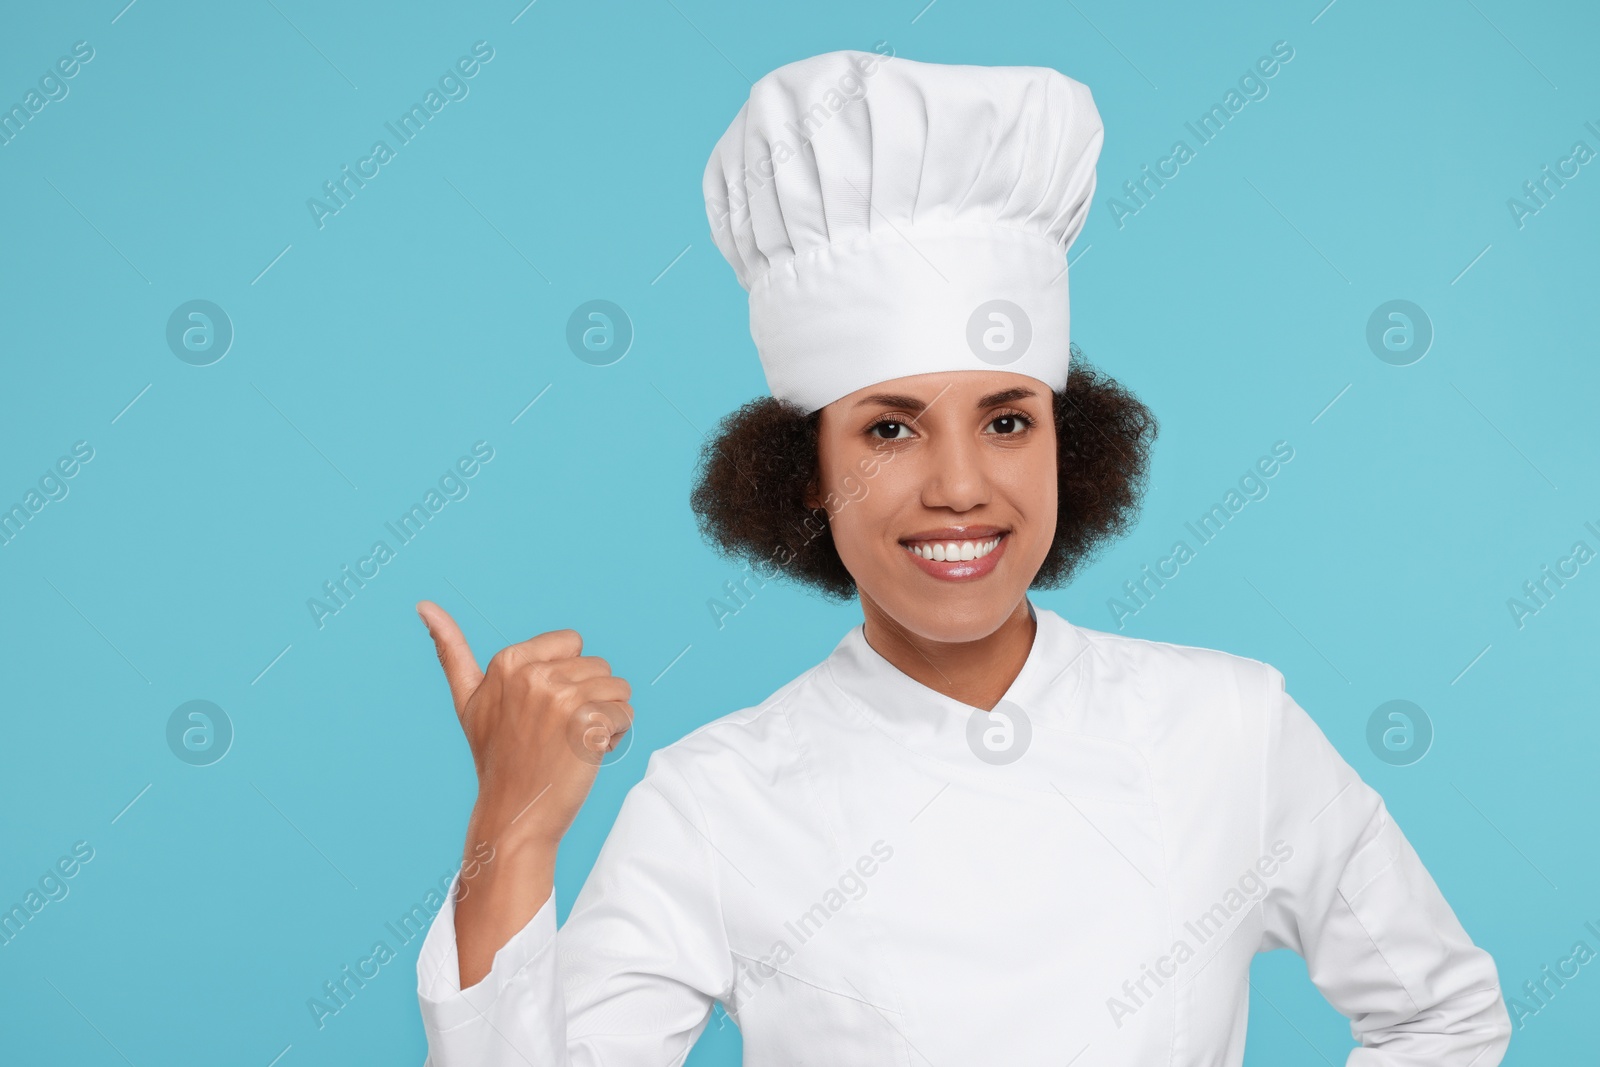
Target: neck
{"type": "Point", "coordinates": [977, 673]}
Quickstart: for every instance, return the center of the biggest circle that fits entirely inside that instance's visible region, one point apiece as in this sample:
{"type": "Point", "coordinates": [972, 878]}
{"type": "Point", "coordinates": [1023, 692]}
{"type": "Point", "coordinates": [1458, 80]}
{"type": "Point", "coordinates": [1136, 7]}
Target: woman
{"type": "Point", "coordinates": [975, 833]}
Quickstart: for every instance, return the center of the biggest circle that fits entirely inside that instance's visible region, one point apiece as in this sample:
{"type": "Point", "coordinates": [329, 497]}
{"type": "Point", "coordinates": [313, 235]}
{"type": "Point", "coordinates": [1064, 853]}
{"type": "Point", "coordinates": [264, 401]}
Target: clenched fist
{"type": "Point", "coordinates": [539, 722]}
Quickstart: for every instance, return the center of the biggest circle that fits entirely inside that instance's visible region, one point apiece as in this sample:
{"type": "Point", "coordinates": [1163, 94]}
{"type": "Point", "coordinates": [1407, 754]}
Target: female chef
{"type": "Point", "coordinates": [976, 833]}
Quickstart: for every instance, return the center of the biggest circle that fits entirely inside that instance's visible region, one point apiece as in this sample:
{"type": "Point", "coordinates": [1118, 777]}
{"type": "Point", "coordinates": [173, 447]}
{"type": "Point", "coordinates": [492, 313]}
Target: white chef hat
{"type": "Point", "coordinates": [891, 217]}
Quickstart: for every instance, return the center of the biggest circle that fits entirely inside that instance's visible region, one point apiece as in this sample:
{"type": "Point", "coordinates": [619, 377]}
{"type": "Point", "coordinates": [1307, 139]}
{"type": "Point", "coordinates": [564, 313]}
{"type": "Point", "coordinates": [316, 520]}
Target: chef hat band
{"type": "Point", "coordinates": [891, 217]}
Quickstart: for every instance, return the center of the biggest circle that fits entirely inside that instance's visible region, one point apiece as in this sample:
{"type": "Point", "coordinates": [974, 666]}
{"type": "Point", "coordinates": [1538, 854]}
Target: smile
{"type": "Point", "coordinates": [958, 559]}
{"type": "Point", "coordinates": [953, 551]}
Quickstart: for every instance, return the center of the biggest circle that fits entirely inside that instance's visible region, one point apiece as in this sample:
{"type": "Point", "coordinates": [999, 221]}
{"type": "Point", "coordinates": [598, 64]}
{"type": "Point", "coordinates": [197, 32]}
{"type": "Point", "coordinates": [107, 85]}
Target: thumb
{"type": "Point", "coordinates": [455, 655]}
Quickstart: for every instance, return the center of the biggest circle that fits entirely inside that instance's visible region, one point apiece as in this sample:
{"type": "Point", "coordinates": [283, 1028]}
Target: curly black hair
{"type": "Point", "coordinates": [755, 474]}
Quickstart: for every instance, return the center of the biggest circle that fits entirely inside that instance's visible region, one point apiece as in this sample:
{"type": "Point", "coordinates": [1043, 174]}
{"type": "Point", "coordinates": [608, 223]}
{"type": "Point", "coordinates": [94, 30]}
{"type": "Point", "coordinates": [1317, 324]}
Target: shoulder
{"type": "Point", "coordinates": [755, 740]}
{"type": "Point", "coordinates": [1152, 692]}
{"type": "Point", "coordinates": [1169, 665]}
{"type": "Point", "coordinates": [1210, 723]}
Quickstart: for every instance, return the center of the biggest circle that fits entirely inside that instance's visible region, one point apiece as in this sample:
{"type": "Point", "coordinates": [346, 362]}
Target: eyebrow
{"type": "Point", "coordinates": [911, 403]}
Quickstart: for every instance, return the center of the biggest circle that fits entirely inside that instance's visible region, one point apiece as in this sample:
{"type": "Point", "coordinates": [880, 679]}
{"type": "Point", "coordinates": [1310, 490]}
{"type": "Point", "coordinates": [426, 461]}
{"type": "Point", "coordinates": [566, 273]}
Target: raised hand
{"type": "Point", "coordinates": [539, 722]}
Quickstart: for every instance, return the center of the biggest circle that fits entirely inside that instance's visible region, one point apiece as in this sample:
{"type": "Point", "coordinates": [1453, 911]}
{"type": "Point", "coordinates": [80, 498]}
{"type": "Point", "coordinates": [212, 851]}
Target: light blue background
{"type": "Point", "coordinates": [428, 313]}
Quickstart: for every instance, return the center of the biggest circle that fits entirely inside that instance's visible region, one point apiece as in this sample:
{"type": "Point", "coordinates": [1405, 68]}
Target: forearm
{"type": "Point", "coordinates": [645, 942]}
{"type": "Point", "coordinates": [504, 891]}
{"type": "Point", "coordinates": [1469, 1028]}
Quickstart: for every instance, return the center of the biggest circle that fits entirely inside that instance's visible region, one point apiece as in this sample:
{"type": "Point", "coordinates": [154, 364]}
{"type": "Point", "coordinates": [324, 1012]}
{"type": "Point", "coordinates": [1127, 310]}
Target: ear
{"type": "Point", "coordinates": [813, 497]}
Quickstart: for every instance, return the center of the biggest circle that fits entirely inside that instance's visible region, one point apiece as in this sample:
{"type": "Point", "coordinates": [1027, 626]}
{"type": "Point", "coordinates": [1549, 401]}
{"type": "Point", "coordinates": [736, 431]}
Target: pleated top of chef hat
{"type": "Point", "coordinates": [891, 217]}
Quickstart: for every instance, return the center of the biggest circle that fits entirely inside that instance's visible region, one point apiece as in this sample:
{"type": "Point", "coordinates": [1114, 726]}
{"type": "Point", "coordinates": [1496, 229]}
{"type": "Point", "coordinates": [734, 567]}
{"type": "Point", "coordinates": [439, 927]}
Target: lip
{"type": "Point", "coordinates": [957, 533]}
{"type": "Point", "coordinates": [961, 570]}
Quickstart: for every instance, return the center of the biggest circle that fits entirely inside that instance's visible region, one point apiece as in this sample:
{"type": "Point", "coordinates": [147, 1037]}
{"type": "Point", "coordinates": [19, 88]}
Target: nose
{"type": "Point", "coordinates": [956, 477]}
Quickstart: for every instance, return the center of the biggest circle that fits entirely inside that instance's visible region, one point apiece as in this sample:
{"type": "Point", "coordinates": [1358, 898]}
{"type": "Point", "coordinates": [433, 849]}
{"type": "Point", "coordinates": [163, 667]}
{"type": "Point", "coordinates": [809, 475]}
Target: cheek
{"type": "Point", "coordinates": [839, 487]}
{"type": "Point", "coordinates": [857, 510]}
{"type": "Point", "coordinates": [1033, 491]}
{"type": "Point", "coordinates": [851, 535]}
{"type": "Point", "coordinates": [867, 489]}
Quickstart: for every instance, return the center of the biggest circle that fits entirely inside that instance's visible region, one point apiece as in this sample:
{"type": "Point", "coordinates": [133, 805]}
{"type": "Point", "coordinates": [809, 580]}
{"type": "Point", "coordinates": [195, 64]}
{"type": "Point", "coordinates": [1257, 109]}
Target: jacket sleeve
{"type": "Point", "coordinates": [1354, 900]}
{"type": "Point", "coordinates": [628, 981]}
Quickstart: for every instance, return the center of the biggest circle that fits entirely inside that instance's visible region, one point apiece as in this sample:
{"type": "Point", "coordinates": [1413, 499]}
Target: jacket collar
{"type": "Point", "coordinates": [929, 723]}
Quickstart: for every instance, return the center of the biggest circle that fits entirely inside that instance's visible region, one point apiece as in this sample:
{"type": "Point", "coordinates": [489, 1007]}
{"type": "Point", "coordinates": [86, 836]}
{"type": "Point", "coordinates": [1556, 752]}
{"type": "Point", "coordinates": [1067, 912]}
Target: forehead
{"type": "Point", "coordinates": [965, 387]}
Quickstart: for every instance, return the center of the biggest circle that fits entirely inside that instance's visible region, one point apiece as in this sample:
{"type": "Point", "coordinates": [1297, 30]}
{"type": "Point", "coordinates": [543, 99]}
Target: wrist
{"type": "Point", "coordinates": [503, 830]}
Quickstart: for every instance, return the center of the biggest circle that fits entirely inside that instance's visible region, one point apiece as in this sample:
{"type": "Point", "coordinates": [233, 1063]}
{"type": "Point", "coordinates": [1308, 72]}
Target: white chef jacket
{"type": "Point", "coordinates": [855, 874]}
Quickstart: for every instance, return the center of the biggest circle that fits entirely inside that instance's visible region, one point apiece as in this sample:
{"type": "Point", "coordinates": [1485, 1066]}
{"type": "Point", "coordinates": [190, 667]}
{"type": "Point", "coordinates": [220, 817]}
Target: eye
{"type": "Point", "coordinates": [1011, 423]}
{"type": "Point", "coordinates": [891, 430]}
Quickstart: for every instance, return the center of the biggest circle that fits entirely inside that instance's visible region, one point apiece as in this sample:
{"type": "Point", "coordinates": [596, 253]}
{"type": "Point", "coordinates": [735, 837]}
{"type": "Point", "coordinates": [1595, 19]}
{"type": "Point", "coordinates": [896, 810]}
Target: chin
{"type": "Point", "coordinates": [939, 608]}
{"type": "Point", "coordinates": [954, 616]}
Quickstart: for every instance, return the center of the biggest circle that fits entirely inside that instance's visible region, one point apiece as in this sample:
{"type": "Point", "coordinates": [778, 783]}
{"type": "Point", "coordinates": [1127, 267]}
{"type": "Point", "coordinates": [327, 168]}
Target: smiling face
{"type": "Point", "coordinates": [947, 531]}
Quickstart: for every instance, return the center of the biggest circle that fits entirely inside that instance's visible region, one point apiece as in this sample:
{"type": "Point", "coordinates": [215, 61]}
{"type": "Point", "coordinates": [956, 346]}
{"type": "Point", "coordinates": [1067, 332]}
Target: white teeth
{"type": "Point", "coordinates": [950, 551]}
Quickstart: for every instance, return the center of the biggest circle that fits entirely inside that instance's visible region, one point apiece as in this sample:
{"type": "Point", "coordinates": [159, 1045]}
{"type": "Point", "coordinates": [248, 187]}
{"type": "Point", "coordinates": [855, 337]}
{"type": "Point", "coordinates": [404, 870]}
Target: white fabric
{"type": "Point", "coordinates": [1014, 902]}
{"type": "Point", "coordinates": [873, 205]}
